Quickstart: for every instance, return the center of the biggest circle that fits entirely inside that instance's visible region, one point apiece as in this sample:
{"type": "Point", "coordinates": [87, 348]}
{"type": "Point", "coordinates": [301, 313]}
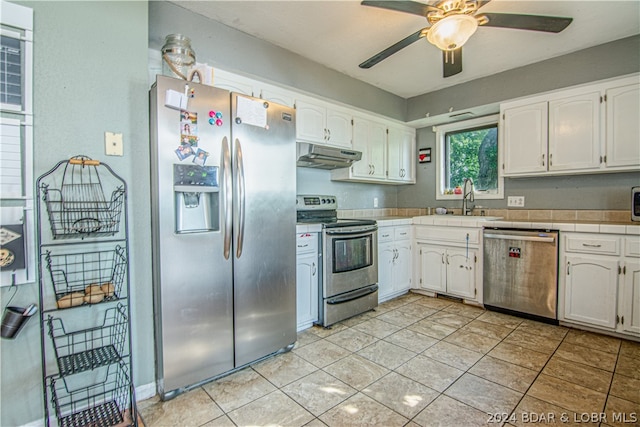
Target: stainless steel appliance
{"type": "Point", "coordinates": [349, 259]}
{"type": "Point", "coordinates": [223, 200]}
{"type": "Point", "coordinates": [521, 272]}
{"type": "Point", "coordinates": [635, 204]}
{"type": "Point", "coordinates": [324, 157]}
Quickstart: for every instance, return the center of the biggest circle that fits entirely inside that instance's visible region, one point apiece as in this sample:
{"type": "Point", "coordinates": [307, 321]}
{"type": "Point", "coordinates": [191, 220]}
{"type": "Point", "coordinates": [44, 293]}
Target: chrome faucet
{"type": "Point", "coordinates": [467, 196]}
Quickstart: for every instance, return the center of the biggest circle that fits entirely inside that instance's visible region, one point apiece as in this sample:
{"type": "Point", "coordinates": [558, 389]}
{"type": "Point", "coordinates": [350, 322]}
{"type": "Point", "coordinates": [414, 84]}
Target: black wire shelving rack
{"type": "Point", "coordinates": [83, 260]}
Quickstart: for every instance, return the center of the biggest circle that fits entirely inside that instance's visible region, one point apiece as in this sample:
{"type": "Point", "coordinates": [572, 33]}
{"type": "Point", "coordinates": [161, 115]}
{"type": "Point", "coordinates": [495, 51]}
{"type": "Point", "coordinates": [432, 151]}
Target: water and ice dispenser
{"type": "Point", "coordinates": [197, 198]}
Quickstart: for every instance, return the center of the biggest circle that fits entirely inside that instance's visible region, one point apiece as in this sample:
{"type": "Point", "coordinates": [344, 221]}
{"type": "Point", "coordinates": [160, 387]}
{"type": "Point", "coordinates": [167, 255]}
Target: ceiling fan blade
{"type": "Point", "coordinates": [482, 3]}
{"type": "Point", "coordinates": [391, 50]}
{"type": "Point", "coordinates": [451, 62]}
{"type": "Point", "coordinates": [402, 6]}
{"type": "Point", "coordinates": [549, 24]}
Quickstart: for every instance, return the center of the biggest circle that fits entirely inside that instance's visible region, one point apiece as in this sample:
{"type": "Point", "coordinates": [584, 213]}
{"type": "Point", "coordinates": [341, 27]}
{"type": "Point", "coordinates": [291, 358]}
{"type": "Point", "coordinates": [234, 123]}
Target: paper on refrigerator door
{"type": "Point", "coordinates": [252, 112]}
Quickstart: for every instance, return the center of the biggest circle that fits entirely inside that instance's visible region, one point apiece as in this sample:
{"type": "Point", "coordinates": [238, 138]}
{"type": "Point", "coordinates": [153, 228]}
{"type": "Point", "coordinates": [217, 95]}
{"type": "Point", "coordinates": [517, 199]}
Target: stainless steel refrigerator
{"type": "Point", "coordinates": [223, 224]}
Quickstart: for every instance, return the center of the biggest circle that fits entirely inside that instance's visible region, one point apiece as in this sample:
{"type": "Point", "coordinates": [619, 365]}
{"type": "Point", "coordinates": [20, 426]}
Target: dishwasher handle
{"type": "Point", "coordinates": [543, 239]}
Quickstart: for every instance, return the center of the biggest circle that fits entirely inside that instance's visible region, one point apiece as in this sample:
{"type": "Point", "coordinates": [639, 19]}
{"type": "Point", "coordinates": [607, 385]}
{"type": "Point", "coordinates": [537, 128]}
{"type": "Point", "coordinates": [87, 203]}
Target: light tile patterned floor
{"type": "Point", "coordinates": [420, 361]}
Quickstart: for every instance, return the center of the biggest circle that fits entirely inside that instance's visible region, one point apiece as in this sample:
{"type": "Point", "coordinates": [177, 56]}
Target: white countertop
{"type": "Point", "coordinates": [391, 221]}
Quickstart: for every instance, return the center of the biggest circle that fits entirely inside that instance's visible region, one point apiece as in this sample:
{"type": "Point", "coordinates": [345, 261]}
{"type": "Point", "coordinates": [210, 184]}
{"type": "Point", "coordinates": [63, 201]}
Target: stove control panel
{"type": "Point", "coordinates": [308, 202]}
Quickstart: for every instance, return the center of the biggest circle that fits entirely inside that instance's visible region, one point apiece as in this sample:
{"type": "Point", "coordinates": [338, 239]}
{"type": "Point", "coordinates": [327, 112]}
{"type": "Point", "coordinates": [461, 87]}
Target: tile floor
{"type": "Point", "coordinates": [420, 361]}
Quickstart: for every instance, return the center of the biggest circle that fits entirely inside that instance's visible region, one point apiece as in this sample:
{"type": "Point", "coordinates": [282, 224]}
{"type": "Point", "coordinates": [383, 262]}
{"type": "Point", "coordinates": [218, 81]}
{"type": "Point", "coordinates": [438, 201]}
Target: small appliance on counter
{"type": "Point", "coordinates": [349, 284]}
{"type": "Point", "coordinates": [635, 203]}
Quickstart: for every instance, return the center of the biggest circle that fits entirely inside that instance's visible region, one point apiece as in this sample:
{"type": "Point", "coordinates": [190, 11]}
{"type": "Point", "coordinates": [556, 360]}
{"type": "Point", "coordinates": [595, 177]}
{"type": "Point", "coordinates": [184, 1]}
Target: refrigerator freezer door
{"type": "Point", "coordinates": [263, 144]}
{"type": "Point", "coordinates": [193, 291]}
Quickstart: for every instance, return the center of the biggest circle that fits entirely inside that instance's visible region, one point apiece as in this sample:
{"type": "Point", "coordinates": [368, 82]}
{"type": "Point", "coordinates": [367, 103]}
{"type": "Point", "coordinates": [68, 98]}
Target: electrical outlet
{"type": "Point", "coordinates": [375, 202]}
{"type": "Point", "coordinates": [515, 201]}
{"type": "Point", "coordinates": [113, 144]}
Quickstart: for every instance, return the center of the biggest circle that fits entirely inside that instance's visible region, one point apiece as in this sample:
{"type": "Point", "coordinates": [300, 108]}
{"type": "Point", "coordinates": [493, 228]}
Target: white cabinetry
{"type": "Point", "coordinates": [387, 153]}
{"type": "Point", "coordinates": [592, 128]}
{"type": "Point", "coordinates": [306, 279]}
{"type": "Point", "coordinates": [623, 126]}
{"type": "Point", "coordinates": [401, 143]}
{"type": "Point", "coordinates": [446, 260]}
{"type": "Point", "coordinates": [574, 132]}
{"type": "Point", "coordinates": [524, 131]}
{"type": "Point", "coordinates": [600, 281]}
{"type": "Point", "coordinates": [322, 123]}
{"type": "Point", "coordinates": [370, 138]}
{"type": "Point", "coordinates": [394, 261]}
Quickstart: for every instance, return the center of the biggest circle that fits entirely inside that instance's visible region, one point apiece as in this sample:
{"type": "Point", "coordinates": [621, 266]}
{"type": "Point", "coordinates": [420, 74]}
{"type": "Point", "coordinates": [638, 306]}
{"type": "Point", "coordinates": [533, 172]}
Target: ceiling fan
{"type": "Point", "coordinates": [453, 22]}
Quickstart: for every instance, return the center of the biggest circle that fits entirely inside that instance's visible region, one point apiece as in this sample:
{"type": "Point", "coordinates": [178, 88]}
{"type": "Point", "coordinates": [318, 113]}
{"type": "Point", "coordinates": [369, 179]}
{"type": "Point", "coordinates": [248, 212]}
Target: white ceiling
{"type": "Point", "coordinates": [342, 34]}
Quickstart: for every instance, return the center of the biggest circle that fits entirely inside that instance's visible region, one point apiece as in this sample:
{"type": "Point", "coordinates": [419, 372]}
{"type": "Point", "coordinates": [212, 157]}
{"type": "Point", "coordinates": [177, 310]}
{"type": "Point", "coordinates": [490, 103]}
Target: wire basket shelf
{"type": "Point", "coordinates": [73, 275]}
{"type": "Point", "coordinates": [88, 349]}
{"type": "Point", "coordinates": [79, 207]}
{"type": "Point", "coordinates": [100, 405]}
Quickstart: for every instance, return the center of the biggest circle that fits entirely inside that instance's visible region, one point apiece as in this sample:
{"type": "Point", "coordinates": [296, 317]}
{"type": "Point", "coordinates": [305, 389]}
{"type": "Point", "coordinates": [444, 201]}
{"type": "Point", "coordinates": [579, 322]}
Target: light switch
{"type": "Point", "coordinates": [113, 144]}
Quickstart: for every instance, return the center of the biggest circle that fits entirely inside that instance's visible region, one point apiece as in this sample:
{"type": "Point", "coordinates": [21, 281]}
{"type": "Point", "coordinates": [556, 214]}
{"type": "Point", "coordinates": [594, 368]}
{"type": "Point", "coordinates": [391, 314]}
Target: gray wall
{"type": "Point", "coordinates": [601, 191]}
{"type": "Point", "coordinates": [90, 76]}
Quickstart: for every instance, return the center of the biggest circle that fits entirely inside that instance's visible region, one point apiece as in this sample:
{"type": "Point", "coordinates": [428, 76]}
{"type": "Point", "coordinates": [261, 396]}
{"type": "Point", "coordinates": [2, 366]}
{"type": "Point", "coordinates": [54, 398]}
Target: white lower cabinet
{"type": "Point", "coordinates": [306, 280]}
{"type": "Point", "coordinates": [447, 260]}
{"type": "Point", "coordinates": [448, 270]}
{"type": "Point", "coordinates": [394, 261]}
{"type": "Point", "coordinates": [599, 281]}
{"type": "Point", "coordinates": [591, 290]}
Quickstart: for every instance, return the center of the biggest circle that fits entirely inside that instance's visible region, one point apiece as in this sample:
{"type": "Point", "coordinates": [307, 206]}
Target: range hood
{"type": "Point", "coordinates": [323, 157]}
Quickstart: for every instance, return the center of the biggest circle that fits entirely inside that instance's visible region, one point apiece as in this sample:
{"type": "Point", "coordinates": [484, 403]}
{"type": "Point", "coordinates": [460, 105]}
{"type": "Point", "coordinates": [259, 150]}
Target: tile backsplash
{"type": "Point", "coordinates": [596, 216]}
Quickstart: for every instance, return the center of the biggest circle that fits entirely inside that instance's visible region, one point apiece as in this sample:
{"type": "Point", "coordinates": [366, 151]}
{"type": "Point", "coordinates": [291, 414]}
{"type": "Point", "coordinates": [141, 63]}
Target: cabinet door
{"type": "Point", "coordinates": [591, 290]}
{"type": "Point", "coordinates": [402, 266]}
{"type": "Point", "coordinates": [339, 128]}
{"type": "Point", "coordinates": [525, 139]}
{"type": "Point", "coordinates": [386, 255]}
{"type": "Point", "coordinates": [310, 122]}
{"type": "Point", "coordinates": [461, 272]}
{"type": "Point", "coordinates": [361, 168]}
{"type": "Point", "coordinates": [574, 132]}
{"type": "Point", "coordinates": [400, 143]}
{"type": "Point", "coordinates": [306, 289]}
{"type": "Point", "coordinates": [377, 150]}
{"type": "Point", "coordinates": [277, 96]}
{"type": "Point", "coordinates": [631, 297]}
{"type": "Point", "coordinates": [233, 84]}
{"type": "Point", "coordinates": [623, 126]}
{"type": "Point", "coordinates": [432, 268]}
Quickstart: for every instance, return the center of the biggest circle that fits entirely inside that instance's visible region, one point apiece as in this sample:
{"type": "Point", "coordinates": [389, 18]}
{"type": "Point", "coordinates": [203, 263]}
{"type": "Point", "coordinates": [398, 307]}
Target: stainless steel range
{"type": "Point", "coordinates": [349, 282]}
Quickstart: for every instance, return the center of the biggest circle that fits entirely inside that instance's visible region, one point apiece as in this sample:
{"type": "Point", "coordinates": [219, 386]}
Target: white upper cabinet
{"type": "Point", "coordinates": [401, 143]}
{"type": "Point", "coordinates": [277, 95]}
{"type": "Point", "coordinates": [524, 131]}
{"type": "Point", "coordinates": [591, 128]}
{"type": "Point", "coordinates": [387, 153]}
{"type": "Point", "coordinates": [321, 123]}
{"type": "Point", "coordinates": [369, 137]}
{"type": "Point", "coordinates": [623, 126]}
{"type": "Point", "coordinates": [574, 132]}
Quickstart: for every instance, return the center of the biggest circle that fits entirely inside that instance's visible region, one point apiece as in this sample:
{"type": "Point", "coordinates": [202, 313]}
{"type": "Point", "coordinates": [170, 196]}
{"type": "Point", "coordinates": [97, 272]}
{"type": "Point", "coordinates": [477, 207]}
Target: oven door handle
{"type": "Point", "coordinates": [338, 231]}
{"type": "Point", "coordinates": [352, 295]}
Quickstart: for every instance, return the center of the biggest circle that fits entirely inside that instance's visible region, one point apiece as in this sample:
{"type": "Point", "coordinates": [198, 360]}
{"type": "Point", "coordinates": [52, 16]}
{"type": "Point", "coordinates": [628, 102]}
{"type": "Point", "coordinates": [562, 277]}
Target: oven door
{"type": "Point", "coordinates": [351, 259]}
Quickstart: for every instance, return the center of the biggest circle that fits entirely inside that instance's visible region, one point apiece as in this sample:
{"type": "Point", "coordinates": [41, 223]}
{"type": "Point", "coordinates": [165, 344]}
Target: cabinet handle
{"type": "Point", "coordinates": [447, 259]}
{"type": "Point", "coordinates": [550, 159]}
{"type": "Point", "coordinates": [374, 169]}
{"type": "Point", "coordinates": [591, 245]}
{"type": "Point", "coordinates": [313, 268]}
{"type": "Point", "coordinates": [568, 268]}
{"type": "Point", "coordinates": [329, 133]}
{"type": "Point", "coordinates": [543, 160]}
{"type": "Point", "coordinates": [443, 258]}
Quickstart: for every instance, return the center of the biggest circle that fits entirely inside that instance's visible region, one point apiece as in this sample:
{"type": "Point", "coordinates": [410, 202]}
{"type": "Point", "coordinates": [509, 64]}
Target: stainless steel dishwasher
{"type": "Point", "coordinates": [520, 273]}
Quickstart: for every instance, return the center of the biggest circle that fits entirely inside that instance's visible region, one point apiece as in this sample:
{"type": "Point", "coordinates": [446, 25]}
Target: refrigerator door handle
{"type": "Point", "coordinates": [241, 196]}
{"type": "Point", "coordinates": [228, 197]}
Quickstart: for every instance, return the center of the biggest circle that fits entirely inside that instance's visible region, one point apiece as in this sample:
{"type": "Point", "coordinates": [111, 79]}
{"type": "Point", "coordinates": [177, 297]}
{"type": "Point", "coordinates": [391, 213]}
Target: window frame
{"type": "Point", "coordinates": [441, 167]}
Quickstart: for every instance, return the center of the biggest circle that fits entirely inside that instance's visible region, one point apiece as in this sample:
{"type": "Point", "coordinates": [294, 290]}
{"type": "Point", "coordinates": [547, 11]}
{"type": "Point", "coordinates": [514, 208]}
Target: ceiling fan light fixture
{"type": "Point", "coordinates": [453, 31]}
